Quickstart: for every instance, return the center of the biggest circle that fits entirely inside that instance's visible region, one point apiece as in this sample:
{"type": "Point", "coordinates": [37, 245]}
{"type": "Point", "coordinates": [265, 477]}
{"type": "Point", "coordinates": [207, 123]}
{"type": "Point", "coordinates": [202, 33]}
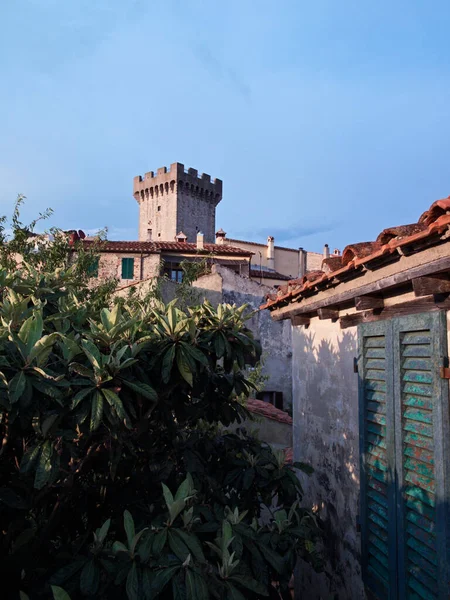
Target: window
{"type": "Point", "coordinates": [159, 208]}
{"type": "Point", "coordinates": [93, 268]}
{"type": "Point", "coordinates": [149, 235]}
{"type": "Point", "coordinates": [404, 445]}
{"type": "Point", "coordinates": [275, 398]}
{"type": "Point", "coordinates": [127, 268]}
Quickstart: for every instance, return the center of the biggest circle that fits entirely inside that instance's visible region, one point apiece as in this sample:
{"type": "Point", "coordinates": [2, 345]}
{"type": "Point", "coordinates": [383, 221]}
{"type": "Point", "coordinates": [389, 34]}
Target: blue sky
{"type": "Point", "coordinates": [327, 121]}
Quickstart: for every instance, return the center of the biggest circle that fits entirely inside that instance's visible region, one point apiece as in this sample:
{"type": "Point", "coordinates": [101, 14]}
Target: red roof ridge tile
{"type": "Point", "coordinates": [156, 247]}
{"type": "Point", "coordinates": [265, 409]}
{"type": "Point", "coordinates": [434, 221]}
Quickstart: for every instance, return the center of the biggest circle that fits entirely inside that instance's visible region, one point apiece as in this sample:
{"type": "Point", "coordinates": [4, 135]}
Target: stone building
{"type": "Point", "coordinates": [370, 373]}
{"type": "Point", "coordinates": [174, 200]}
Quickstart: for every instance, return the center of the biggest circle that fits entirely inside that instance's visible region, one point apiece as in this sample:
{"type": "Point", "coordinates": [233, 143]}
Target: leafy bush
{"type": "Point", "coordinates": [117, 477]}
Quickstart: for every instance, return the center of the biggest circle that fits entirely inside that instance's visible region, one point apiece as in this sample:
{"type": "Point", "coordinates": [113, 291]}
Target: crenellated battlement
{"type": "Point", "coordinates": [174, 199]}
{"type": "Point", "coordinates": [176, 179]}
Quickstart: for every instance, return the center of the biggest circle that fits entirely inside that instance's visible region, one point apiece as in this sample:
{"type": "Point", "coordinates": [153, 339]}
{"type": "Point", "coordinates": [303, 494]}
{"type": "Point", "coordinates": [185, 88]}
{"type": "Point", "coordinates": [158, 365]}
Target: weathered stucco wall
{"type": "Point", "coordinates": [325, 413]}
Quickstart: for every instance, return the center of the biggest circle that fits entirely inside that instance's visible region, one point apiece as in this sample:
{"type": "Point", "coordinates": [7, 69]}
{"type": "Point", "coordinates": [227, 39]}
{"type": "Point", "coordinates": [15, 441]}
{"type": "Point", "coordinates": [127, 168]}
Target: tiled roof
{"type": "Point", "coordinates": [390, 244]}
{"type": "Point", "coordinates": [268, 274]}
{"type": "Point", "coordinates": [157, 247]}
{"type": "Point", "coordinates": [265, 409]}
{"type": "Point", "coordinates": [263, 245]}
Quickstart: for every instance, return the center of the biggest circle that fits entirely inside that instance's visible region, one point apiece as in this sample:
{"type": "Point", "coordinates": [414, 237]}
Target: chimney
{"type": "Point", "coordinates": [326, 251]}
{"type": "Point", "coordinates": [200, 241]}
{"type": "Point", "coordinates": [220, 236]}
{"type": "Point", "coordinates": [271, 252]}
{"type": "Point", "coordinates": [302, 259]}
{"type": "Point", "coordinates": [336, 252]}
{"type": "Point", "coordinates": [181, 237]}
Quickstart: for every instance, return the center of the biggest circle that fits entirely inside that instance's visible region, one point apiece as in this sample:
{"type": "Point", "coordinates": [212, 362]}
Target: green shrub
{"type": "Point", "coordinates": [115, 480]}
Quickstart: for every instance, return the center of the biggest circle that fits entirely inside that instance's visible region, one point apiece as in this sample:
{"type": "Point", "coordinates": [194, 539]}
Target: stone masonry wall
{"type": "Point", "coordinates": [176, 200]}
{"type": "Point", "coordinates": [145, 266]}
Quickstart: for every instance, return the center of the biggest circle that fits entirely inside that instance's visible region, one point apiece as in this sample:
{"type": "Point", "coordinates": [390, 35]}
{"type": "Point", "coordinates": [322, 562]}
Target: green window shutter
{"type": "Point", "coordinates": [378, 532]}
{"type": "Point", "coordinates": [127, 268]}
{"type": "Point", "coordinates": [93, 268]}
{"type": "Point", "coordinates": [405, 458]}
{"type": "Point", "coordinates": [422, 455]}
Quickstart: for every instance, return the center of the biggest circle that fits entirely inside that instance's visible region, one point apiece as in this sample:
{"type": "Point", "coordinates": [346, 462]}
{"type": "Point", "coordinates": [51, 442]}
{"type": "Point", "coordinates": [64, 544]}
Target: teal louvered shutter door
{"type": "Point", "coordinates": [378, 511]}
{"type": "Point", "coordinates": [422, 456]}
{"type": "Point", "coordinates": [127, 268]}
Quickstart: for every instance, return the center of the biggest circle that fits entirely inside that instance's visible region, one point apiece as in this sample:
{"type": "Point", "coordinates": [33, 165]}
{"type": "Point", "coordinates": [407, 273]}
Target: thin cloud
{"type": "Point", "coordinates": [285, 234]}
{"type": "Point", "coordinates": [218, 68]}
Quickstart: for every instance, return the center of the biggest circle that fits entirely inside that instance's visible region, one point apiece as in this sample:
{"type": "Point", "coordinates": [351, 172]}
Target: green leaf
{"type": "Point", "coordinates": [119, 547]}
{"type": "Point", "coordinates": [42, 348]}
{"type": "Point", "coordinates": [44, 468]}
{"type": "Point", "coordinates": [275, 560]}
{"type": "Point", "coordinates": [196, 587]}
{"type": "Point", "coordinates": [185, 489]}
{"type": "Point", "coordinates": [17, 386]}
{"type": "Point", "coordinates": [132, 586]}
{"type": "Point", "coordinates": [162, 578]}
{"type": "Point", "coordinates": [142, 388]}
{"type": "Point", "coordinates": [177, 546]}
{"type": "Point", "coordinates": [93, 353]}
{"type": "Point", "coordinates": [96, 411]}
{"type": "Point", "coordinates": [145, 547]}
{"type": "Point", "coordinates": [159, 542]}
{"type": "Point", "coordinates": [89, 579]}
{"type": "Point", "coordinates": [115, 402]}
{"type": "Point", "coordinates": [69, 347]}
{"type": "Point", "coordinates": [128, 524]}
{"type": "Point", "coordinates": [234, 593]}
{"type": "Point", "coordinates": [168, 497]}
{"type": "Point", "coordinates": [308, 469]}
{"type": "Point", "coordinates": [80, 395]}
{"type": "Point", "coordinates": [192, 542]}
{"type": "Point", "coordinates": [219, 345]}
{"type": "Point", "coordinates": [147, 577]}
{"type": "Point", "coordinates": [82, 370]}
{"type": "Point", "coordinates": [23, 596]}
{"type": "Point", "coordinates": [29, 459]}
{"type": "Point", "coordinates": [183, 367]}
{"type": "Point", "coordinates": [59, 593]}
{"type": "Point", "coordinates": [167, 363]}
{"type": "Point", "coordinates": [103, 531]}
{"type": "Point", "coordinates": [48, 423]}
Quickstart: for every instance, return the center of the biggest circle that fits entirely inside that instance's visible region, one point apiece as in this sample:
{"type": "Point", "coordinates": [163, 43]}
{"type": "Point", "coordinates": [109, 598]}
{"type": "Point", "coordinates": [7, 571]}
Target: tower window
{"type": "Point", "coordinates": [159, 208]}
{"type": "Point", "coordinates": [159, 235]}
{"type": "Point", "coordinates": [149, 235]}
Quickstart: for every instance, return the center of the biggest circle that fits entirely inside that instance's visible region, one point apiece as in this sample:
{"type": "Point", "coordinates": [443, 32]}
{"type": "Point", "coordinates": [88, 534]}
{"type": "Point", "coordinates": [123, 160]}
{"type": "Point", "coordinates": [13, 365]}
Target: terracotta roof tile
{"type": "Point", "coordinates": [157, 247]}
{"type": "Point", "coordinates": [265, 409]}
{"type": "Point", "coordinates": [400, 232]}
{"type": "Point", "coordinates": [333, 263]}
{"type": "Point", "coordinates": [360, 250]}
{"type": "Point", "coordinates": [438, 208]}
{"type": "Point", "coordinates": [433, 223]}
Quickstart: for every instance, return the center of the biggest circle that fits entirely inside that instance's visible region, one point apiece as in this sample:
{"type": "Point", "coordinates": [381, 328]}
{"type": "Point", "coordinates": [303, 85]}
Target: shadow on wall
{"type": "Point", "coordinates": [405, 516]}
{"type": "Point", "coordinates": [326, 435]}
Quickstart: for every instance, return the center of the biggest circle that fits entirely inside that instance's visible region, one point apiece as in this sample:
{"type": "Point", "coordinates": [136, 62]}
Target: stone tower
{"type": "Point", "coordinates": [175, 200]}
